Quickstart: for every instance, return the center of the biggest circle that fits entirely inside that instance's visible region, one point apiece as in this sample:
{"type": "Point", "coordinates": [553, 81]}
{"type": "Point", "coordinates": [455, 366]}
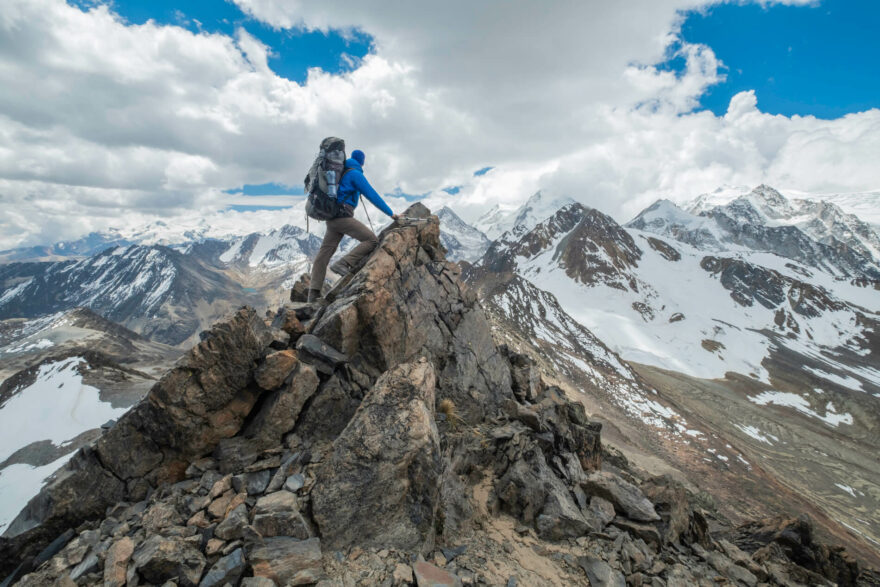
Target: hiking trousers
{"type": "Point", "coordinates": [336, 229]}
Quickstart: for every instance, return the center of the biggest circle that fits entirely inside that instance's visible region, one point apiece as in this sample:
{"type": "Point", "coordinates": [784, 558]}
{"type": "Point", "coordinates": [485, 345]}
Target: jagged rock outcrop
{"type": "Point", "coordinates": [378, 438]}
{"type": "Point", "coordinates": [407, 302]}
{"type": "Point", "coordinates": [389, 457]}
{"type": "Point", "coordinates": [203, 399]}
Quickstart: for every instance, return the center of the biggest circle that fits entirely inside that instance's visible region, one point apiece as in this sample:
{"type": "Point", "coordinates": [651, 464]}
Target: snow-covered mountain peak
{"type": "Point", "coordinates": [540, 206]}
{"type": "Point", "coordinates": [661, 213]}
{"type": "Point", "coordinates": [536, 209]}
{"type": "Point", "coordinates": [665, 218]}
{"type": "Point", "coordinates": [718, 197]}
{"type": "Point", "coordinates": [462, 241]}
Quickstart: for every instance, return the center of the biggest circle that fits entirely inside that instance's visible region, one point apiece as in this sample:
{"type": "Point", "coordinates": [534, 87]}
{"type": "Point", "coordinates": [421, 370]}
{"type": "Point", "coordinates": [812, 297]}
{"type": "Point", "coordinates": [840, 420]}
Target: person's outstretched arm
{"type": "Point", "coordinates": [364, 187]}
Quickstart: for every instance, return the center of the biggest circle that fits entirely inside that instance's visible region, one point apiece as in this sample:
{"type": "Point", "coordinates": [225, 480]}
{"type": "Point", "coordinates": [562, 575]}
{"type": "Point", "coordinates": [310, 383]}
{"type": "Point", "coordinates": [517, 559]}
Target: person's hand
{"type": "Point", "coordinates": [396, 217]}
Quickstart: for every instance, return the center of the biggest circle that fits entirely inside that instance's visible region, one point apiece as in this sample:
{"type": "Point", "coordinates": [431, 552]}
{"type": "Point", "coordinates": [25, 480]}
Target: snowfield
{"type": "Point", "coordinates": [57, 407]}
{"type": "Point", "coordinates": [669, 288]}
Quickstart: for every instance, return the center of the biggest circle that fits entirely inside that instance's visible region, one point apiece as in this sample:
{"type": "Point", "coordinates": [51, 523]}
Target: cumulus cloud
{"type": "Point", "coordinates": [103, 123]}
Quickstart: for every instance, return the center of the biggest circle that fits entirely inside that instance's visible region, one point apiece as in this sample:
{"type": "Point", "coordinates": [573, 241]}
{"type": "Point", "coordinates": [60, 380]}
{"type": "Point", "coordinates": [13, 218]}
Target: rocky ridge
{"type": "Point", "coordinates": [380, 439]}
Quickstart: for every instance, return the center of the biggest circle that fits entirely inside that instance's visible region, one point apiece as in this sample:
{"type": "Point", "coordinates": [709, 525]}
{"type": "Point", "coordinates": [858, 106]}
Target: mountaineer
{"type": "Point", "coordinates": [338, 212]}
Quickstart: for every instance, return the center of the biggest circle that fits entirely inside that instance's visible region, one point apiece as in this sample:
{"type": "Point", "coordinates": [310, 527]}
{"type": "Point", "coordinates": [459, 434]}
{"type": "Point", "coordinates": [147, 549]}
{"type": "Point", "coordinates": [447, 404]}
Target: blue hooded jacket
{"type": "Point", "coordinates": [354, 183]}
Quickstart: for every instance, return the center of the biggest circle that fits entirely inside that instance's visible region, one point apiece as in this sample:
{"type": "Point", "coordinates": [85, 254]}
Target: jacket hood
{"type": "Point", "coordinates": [353, 164]}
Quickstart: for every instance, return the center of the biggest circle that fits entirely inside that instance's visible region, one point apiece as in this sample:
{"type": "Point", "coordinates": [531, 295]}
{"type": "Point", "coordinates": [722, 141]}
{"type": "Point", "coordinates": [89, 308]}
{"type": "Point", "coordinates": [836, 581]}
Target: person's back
{"type": "Point", "coordinates": [355, 183]}
{"type": "Point", "coordinates": [351, 186]}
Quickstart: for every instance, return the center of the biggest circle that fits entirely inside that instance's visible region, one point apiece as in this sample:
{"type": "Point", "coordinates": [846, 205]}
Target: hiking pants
{"type": "Point", "coordinates": [336, 229]}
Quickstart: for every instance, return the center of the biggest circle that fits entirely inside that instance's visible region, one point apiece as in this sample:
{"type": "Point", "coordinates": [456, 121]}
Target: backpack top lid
{"type": "Point", "coordinates": [332, 144]}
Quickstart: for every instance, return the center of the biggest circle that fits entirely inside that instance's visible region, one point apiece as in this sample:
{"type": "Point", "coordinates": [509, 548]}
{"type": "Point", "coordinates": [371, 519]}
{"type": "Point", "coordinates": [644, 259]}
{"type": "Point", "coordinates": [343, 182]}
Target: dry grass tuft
{"type": "Point", "coordinates": [447, 407]}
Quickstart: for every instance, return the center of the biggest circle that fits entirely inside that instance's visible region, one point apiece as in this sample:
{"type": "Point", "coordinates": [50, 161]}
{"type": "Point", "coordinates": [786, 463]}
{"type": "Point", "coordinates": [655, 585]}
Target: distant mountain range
{"type": "Point", "coordinates": [742, 328]}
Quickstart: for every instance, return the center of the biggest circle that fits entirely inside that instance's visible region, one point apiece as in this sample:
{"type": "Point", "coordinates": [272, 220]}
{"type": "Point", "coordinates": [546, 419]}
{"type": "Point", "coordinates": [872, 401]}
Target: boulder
{"type": "Point", "coordinates": [647, 532]}
{"type": "Point", "coordinates": [234, 525]}
{"type": "Point", "coordinates": [288, 561]}
{"type": "Point", "coordinates": [234, 454]}
{"type": "Point", "coordinates": [159, 559]}
{"type": "Point", "coordinates": [525, 376]}
{"type": "Point", "coordinates": [560, 517]}
{"type": "Point", "coordinates": [87, 565]}
{"type": "Point", "coordinates": [275, 369]}
{"type": "Point", "coordinates": [196, 404]}
{"type": "Point", "coordinates": [300, 290]}
{"type": "Point", "coordinates": [727, 568]}
{"type": "Point", "coordinates": [226, 570]}
{"type": "Point", "coordinates": [379, 486]}
{"type": "Point", "coordinates": [600, 573]}
{"type": "Point", "coordinates": [428, 575]}
{"type": "Point", "coordinates": [330, 409]}
{"type": "Point", "coordinates": [278, 514]}
{"type": "Point", "coordinates": [116, 563]}
{"type": "Point", "coordinates": [795, 538]}
{"type": "Point", "coordinates": [161, 515]}
{"type": "Point", "coordinates": [670, 500]}
{"type": "Point", "coordinates": [280, 411]}
{"type": "Point", "coordinates": [572, 430]}
{"type": "Point", "coordinates": [295, 482]}
{"type": "Point", "coordinates": [320, 354]}
{"type": "Point", "coordinates": [252, 483]}
{"type": "Point", "coordinates": [599, 513]}
{"type": "Point", "coordinates": [626, 497]}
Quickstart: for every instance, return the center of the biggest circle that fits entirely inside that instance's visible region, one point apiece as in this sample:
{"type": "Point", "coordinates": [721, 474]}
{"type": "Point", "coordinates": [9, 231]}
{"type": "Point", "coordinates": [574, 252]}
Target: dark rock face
{"type": "Point", "coordinates": [795, 540]}
{"type": "Point", "coordinates": [626, 497]}
{"type": "Point", "coordinates": [501, 256]}
{"type": "Point", "coordinates": [281, 408]}
{"type": "Point", "coordinates": [380, 485]}
{"type": "Point", "coordinates": [668, 252]}
{"type": "Point", "coordinates": [599, 250]}
{"type": "Point", "coordinates": [749, 283]}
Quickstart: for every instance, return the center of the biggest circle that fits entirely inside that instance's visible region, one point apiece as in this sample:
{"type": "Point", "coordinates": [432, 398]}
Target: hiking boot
{"type": "Point", "coordinates": [314, 295]}
{"type": "Point", "coordinates": [341, 268]}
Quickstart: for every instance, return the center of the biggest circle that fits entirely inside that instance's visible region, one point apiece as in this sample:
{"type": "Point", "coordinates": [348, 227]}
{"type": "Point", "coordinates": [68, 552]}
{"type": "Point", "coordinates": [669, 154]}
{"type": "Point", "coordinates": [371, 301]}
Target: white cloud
{"type": "Point", "coordinates": [104, 123]}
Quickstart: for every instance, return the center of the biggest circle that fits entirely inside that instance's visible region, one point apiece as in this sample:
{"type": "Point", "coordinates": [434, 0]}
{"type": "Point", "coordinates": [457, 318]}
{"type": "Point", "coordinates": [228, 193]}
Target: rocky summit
{"type": "Point", "coordinates": [381, 437]}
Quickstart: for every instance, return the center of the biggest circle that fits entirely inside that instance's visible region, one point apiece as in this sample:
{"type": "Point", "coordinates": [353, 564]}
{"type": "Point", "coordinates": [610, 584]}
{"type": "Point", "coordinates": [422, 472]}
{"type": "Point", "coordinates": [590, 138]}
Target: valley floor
{"type": "Point", "coordinates": [790, 475]}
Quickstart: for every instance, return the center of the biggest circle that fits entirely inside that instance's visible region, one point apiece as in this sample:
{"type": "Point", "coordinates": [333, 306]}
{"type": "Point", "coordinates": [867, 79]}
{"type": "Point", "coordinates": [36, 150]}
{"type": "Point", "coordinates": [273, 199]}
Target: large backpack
{"type": "Point", "coordinates": [322, 181]}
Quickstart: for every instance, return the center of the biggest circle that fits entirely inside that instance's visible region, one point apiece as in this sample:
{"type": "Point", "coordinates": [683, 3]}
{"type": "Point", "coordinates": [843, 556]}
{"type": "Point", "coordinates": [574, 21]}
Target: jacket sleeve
{"type": "Point", "coordinates": [364, 187]}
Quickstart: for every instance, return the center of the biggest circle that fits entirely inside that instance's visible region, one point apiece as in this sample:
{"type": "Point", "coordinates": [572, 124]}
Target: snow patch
{"type": "Point", "coordinates": [57, 406]}
{"type": "Point", "coordinates": [19, 483]}
{"type": "Point", "coordinates": [792, 400]}
{"type": "Point", "coordinates": [758, 435]}
{"type": "Point", "coordinates": [842, 380]}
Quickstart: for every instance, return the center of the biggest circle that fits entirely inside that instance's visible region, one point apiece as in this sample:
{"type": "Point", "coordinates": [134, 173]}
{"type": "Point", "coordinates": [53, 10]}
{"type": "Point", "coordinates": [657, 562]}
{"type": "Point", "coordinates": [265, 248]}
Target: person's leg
{"type": "Point", "coordinates": [357, 230]}
{"type": "Point", "coordinates": [328, 247]}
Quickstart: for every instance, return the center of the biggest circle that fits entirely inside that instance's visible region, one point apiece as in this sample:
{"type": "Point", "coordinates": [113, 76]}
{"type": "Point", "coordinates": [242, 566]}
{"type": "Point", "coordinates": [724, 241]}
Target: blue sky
{"type": "Point", "coordinates": [822, 60]}
{"type": "Point", "coordinates": [293, 52]}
